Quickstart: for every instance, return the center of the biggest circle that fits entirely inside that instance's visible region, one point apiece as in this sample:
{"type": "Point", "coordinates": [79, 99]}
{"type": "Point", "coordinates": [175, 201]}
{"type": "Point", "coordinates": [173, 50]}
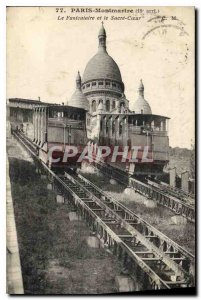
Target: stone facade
{"type": "Point", "coordinates": [109, 120]}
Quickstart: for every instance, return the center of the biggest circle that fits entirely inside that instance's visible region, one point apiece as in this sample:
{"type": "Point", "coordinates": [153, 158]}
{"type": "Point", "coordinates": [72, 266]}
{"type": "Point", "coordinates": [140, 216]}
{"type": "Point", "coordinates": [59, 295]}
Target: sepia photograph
{"type": "Point", "coordinates": [100, 150]}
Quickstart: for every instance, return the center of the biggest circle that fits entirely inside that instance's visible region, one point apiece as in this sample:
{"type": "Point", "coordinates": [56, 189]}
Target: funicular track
{"type": "Point", "coordinates": [176, 205]}
{"type": "Point", "coordinates": [172, 191]}
{"type": "Point", "coordinates": [148, 236]}
{"type": "Point", "coordinates": [140, 247]}
{"type": "Point", "coordinates": [165, 244]}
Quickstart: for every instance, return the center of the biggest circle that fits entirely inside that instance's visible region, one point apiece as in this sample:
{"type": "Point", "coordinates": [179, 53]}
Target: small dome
{"type": "Point", "coordinates": [141, 106]}
{"type": "Point", "coordinates": [78, 99]}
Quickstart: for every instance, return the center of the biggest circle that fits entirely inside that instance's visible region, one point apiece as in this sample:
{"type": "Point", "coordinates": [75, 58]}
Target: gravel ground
{"type": "Point", "coordinates": [55, 256]}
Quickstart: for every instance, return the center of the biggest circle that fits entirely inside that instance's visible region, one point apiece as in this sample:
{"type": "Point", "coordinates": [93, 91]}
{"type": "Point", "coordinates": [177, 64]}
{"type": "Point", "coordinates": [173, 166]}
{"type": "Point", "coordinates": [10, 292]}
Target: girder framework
{"type": "Point", "coordinates": [139, 246]}
{"type": "Point", "coordinates": [167, 200]}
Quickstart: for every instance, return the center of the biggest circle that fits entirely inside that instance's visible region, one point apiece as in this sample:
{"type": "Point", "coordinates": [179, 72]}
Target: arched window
{"type": "Point", "coordinates": [122, 107]}
{"type": "Point", "coordinates": [93, 106]}
{"type": "Point", "coordinates": [113, 127]}
{"type": "Point", "coordinates": [100, 101]}
{"type": "Point", "coordinates": [120, 128]}
{"type": "Point", "coordinates": [164, 246]}
{"type": "Point", "coordinates": [107, 126]}
{"type": "Point", "coordinates": [113, 104]}
{"type": "Point", "coordinates": [108, 105]}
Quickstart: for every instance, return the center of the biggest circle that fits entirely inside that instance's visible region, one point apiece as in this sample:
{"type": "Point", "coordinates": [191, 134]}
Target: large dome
{"type": "Point", "coordinates": [101, 66]}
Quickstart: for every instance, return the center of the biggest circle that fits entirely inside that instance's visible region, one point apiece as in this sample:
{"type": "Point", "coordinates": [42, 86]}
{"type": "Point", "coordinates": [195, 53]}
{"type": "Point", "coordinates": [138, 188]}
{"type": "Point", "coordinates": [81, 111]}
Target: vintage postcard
{"type": "Point", "coordinates": [100, 150]}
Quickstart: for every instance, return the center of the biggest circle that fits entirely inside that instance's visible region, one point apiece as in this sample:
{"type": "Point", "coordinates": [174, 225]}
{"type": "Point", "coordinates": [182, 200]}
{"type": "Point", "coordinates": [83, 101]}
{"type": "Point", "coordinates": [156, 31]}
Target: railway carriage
{"type": "Point", "coordinates": [55, 128]}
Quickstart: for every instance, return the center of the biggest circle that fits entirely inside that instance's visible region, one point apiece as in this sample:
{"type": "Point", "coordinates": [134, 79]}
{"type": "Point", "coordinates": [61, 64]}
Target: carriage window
{"type": "Point", "coordinates": [25, 117]}
{"type": "Point", "coordinates": [12, 112]}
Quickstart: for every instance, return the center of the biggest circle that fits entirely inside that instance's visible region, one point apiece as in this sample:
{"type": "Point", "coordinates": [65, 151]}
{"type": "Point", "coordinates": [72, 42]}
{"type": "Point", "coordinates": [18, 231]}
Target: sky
{"type": "Point", "coordinates": [44, 54]}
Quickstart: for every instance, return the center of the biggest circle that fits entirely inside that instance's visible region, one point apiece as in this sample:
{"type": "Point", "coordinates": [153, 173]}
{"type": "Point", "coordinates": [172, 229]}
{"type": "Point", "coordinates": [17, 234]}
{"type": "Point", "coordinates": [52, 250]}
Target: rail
{"type": "Point", "coordinates": [147, 228]}
{"type": "Point", "coordinates": [138, 242]}
{"type": "Point", "coordinates": [173, 203]}
{"type": "Point", "coordinates": [182, 195]}
{"type": "Point", "coordinates": [134, 247]}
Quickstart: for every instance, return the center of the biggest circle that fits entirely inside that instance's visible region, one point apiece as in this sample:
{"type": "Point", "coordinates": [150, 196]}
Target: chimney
{"type": "Point", "coordinates": [39, 98]}
{"type": "Point", "coordinates": [62, 103]}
